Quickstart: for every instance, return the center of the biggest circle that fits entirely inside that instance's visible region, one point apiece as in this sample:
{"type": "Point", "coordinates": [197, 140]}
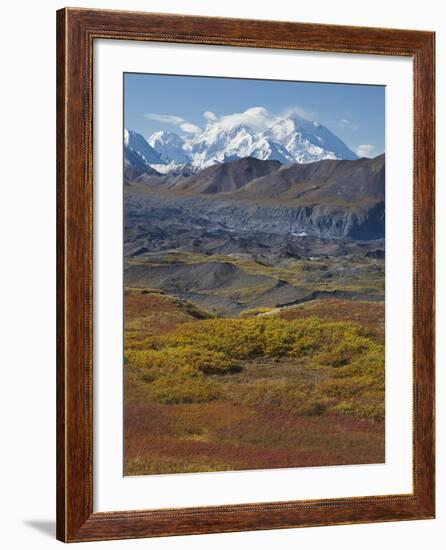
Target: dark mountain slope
{"type": "Point", "coordinates": [331, 198]}
{"type": "Point", "coordinates": [327, 182]}
{"type": "Point", "coordinates": [227, 177]}
{"type": "Point", "coordinates": [324, 182]}
{"type": "Point", "coordinates": [135, 166]}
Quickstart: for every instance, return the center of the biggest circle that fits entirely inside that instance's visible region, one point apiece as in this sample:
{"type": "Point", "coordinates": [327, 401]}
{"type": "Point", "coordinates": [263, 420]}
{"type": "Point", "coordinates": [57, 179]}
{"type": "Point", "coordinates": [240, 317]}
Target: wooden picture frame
{"type": "Point", "coordinates": [76, 31]}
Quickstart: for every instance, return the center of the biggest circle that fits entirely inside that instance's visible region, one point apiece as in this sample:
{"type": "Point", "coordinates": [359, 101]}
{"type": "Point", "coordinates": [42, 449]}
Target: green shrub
{"type": "Point", "coordinates": [345, 407]}
{"type": "Point", "coordinates": [182, 389]}
{"type": "Point", "coordinates": [347, 366]}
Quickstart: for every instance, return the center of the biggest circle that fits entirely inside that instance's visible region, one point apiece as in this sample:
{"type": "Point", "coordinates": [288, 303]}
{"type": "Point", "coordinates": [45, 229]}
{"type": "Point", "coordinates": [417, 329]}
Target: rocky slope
{"type": "Point", "coordinates": [328, 198]}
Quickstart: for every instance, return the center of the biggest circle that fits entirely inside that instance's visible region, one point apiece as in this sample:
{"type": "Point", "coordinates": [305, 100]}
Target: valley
{"type": "Point", "coordinates": [254, 329]}
{"type": "Point", "coordinates": [195, 239]}
{"type": "Point", "coordinates": [254, 286]}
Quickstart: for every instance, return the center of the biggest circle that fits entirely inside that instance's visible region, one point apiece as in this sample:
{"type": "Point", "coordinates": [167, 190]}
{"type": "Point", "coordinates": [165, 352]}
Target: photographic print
{"type": "Point", "coordinates": [245, 291]}
{"type": "Point", "coordinates": [254, 274]}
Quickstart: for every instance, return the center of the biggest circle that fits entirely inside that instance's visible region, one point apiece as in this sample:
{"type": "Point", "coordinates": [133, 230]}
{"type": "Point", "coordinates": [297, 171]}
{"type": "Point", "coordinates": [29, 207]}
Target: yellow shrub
{"type": "Point", "coordinates": [345, 369]}
{"type": "Point", "coordinates": [174, 389]}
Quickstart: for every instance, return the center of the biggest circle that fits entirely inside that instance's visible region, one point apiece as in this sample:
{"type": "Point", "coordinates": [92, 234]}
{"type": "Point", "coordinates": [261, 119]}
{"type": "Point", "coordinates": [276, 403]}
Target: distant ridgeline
{"type": "Point", "coordinates": [335, 198]}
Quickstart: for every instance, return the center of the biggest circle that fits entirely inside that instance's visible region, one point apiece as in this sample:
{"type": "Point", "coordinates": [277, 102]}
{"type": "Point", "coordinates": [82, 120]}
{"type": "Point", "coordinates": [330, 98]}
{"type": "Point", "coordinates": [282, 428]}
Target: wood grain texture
{"type": "Point", "coordinates": [76, 31]}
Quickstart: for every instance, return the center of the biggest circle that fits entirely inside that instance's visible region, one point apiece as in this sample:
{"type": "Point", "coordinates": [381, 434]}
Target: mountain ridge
{"type": "Point", "coordinates": [335, 198]}
{"type": "Point", "coordinates": [337, 181]}
{"type": "Point", "coordinates": [254, 133]}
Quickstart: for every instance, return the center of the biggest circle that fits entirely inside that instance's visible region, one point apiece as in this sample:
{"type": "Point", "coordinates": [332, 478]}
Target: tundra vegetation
{"type": "Point", "coordinates": [271, 388]}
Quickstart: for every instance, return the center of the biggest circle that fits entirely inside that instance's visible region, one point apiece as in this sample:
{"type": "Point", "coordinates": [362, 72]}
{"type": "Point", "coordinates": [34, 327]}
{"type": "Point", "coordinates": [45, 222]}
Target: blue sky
{"type": "Point", "coordinates": [355, 113]}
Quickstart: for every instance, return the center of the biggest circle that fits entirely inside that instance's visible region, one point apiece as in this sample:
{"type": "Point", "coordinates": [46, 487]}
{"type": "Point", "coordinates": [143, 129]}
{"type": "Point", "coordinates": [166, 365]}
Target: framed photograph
{"type": "Point", "coordinates": [245, 275]}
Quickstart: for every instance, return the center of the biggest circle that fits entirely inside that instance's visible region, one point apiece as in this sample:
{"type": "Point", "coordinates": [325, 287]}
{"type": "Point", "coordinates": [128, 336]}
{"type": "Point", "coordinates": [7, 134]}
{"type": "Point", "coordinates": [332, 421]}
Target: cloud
{"type": "Point", "coordinates": [168, 119]}
{"type": "Point", "coordinates": [345, 123]}
{"type": "Point", "coordinates": [209, 116]}
{"type": "Point", "coordinates": [184, 125]}
{"type": "Point", "coordinates": [300, 111]}
{"type": "Point", "coordinates": [190, 128]}
{"type": "Point", "coordinates": [365, 150]}
{"type": "Point", "coordinates": [255, 118]}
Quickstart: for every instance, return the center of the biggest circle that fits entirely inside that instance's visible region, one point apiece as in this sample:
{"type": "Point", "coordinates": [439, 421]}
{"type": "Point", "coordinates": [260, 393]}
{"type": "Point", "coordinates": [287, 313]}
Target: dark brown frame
{"type": "Point", "coordinates": [76, 31]}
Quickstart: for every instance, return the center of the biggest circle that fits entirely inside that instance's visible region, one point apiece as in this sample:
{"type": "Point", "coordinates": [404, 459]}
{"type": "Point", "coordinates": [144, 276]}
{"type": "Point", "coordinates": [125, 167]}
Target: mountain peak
{"type": "Point", "coordinates": [227, 177]}
{"type": "Point", "coordinates": [164, 134]}
{"type": "Point", "coordinates": [253, 133]}
{"type": "Point", "coordinates": [137, 143]}
{"type": "Point", "coordinates": [169, 146]}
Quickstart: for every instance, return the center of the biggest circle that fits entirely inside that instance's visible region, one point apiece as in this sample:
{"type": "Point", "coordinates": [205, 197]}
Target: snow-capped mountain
{"type": "Point", "coordinates": [308, 140]}
{"type": "Point", "coordinates": [169, 146]}
{"type": "Point", "coordinates": [254, 133]}
{"type": "Point", "coordinates": [222, 143]}
{"type": "Point", "coordinates": [137, 143]}
{"type": "Point", "coordinates": [135, 165]}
